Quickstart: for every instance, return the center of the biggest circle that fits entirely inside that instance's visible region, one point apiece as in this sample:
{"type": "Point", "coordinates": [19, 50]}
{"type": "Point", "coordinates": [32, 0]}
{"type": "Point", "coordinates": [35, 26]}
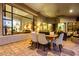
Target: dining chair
{"type": "Point", "coordinates": [43, 41]}
{"type": "Point", "coordinates": [34, 39]}
{"type": "Point", "coordinates": [60, 41]}
{"type": "Point", "coordinates": [60, 38]}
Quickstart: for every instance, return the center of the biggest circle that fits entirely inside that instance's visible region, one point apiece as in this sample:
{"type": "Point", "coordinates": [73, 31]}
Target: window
{"type": "Point", "coordinates": [16, 20]}
{"type": "Point", "coordinates": [8, 8]}
{"type": "Point", "coordinates": [7, 20]}
{"type": "Point", "coordinates": [21, 24]}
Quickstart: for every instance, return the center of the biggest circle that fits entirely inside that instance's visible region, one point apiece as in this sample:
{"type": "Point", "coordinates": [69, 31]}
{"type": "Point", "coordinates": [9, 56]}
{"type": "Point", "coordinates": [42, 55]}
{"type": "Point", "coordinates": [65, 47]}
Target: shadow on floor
{"type": "Point", "coordinates": [45, 53]}
{"type": "Point", "coordinates": [65, 51]}
{"type": "Point", "coordinates": [69, 52]}
{"type": "Point", "coordinates": [41, 52]}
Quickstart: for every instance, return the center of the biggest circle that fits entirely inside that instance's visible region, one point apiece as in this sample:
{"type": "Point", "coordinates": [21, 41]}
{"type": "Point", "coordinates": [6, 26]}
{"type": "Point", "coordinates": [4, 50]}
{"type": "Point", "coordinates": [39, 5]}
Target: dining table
{"type": "Point", "coordinates": [51, 38]}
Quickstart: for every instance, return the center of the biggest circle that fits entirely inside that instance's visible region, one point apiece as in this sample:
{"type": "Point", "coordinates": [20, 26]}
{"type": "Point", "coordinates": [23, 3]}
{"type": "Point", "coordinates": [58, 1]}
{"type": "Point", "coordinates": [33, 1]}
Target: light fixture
{"type": "Point", "coordinates": [49, 24]}
{"type": "Point", "coordinates": [70, 11]}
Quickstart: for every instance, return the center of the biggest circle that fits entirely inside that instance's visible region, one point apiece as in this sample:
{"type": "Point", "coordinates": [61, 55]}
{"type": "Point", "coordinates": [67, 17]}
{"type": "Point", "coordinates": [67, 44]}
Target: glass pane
{"type": "Point", "coordinates": [8, 8]}
{"type": "Point", "coordinates": [7, 15]}
{"type": "Point", "coordinates": [21, 24]}
{"type": "Point", "coordinates": [16, 23]}
{"type": "Point", "coordinates": [8, 30]}
{"type": "Point", "coordinates": [26, 25]}
{"type": "Point", "coordinates": [61, 27]}
{"type": "Point", "coordinates": [7, 25]}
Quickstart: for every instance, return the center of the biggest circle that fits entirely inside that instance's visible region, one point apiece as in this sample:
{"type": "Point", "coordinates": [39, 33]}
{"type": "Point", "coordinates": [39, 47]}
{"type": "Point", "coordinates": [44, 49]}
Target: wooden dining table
{"type": "Point", "coordinates": [51, 38]}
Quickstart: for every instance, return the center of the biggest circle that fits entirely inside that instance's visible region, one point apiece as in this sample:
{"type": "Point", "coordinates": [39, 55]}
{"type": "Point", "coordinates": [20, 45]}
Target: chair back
{"type": "Point", "coordinates": [42, 39]}
{"type": "Point", "coordinates": [60, 39]}
{"type": "Point", "coordinates": [34, 37]}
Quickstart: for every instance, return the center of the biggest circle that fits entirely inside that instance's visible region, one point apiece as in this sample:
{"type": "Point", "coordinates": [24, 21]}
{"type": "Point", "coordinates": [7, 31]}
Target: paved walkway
{"type": "Point", "coordinates": [22, 48]}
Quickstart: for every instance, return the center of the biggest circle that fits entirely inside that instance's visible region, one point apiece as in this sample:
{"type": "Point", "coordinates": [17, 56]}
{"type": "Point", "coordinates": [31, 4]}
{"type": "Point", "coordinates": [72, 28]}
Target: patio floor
{"type": "Point", "coordinates": [22, 48]}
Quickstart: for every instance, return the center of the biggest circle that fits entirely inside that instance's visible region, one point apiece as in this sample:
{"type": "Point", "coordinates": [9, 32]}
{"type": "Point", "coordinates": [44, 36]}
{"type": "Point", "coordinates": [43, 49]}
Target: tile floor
{"type": "Point", "coordinates": [22, 48]}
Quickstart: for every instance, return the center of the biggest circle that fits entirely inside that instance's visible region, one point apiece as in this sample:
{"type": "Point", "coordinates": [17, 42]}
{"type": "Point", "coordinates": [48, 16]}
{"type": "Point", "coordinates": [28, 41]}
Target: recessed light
{"type": "Point", "coordinates": [70, 10]}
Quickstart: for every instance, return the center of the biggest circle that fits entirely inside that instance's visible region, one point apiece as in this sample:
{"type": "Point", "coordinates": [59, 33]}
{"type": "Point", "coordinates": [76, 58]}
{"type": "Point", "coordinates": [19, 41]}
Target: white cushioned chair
{"type": "Point", "coordinates": [34, 39]}
{"type": "Point", "coordinates": [43, 41]}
